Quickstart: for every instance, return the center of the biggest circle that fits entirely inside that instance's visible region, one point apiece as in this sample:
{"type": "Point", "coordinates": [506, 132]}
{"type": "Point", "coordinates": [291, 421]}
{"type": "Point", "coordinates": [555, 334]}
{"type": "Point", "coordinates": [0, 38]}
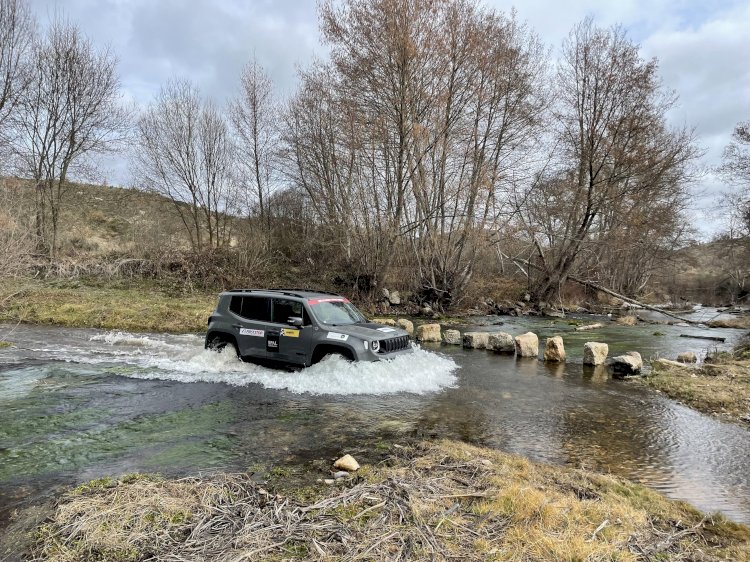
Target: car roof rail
{"type": "Point", "coordinates": [319, 291]}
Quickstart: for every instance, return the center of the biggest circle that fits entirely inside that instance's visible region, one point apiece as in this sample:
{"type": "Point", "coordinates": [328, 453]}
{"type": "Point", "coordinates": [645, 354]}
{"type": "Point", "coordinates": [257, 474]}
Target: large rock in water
{"type": "Point", "coordinates": [475, 340]}
{"type": "Point", "coordinates": [406, 325]}
{"type": "Point", "coordinates": [554, 349]}
{"type": "Point", "coordinates": [500, 342]}
{"type": "Point", "coordinates": [595, 353]}
{"type": "Point", "coordinates": [384, 321]}
{"type": "Point", "coordinates": [527, 345]}
{"type": "Point", "coordinates": [627, 365]}
{"type": "Point", "coordinates": [452, 337]}
{"type": "Point", "coordinates": [687, 357]}
{"type": "Point", "coordinates": [428, 333]}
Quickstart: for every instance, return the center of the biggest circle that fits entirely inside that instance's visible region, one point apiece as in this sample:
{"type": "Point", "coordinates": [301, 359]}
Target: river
{"type": "Point", "coordinates": [80, 404]}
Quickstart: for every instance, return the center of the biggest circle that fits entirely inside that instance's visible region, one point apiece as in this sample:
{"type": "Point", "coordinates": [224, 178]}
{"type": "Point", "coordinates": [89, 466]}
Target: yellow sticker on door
{"type": "Point", "coordinates": [290, 332]}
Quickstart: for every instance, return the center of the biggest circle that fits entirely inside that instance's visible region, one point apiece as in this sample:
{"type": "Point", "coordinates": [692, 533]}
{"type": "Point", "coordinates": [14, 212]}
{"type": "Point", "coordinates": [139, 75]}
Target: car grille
{"type": "Point", "coordinates": [394, 344]}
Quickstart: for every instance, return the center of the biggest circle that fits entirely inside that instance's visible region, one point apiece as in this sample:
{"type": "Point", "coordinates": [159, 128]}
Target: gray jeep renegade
{"type": "Point", "coordinates": [299, 327]}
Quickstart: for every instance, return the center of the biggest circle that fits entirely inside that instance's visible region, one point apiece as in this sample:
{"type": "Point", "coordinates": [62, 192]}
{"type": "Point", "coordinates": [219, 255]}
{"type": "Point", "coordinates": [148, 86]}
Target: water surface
{"type": "Point", "coordinates": [80, 404]}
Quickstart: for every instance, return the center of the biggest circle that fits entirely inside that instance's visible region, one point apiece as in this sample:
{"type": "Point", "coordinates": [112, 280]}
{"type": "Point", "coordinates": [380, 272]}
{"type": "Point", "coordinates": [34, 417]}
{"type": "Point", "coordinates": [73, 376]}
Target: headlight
{"type": "Point", "coordinates": [375, 346]}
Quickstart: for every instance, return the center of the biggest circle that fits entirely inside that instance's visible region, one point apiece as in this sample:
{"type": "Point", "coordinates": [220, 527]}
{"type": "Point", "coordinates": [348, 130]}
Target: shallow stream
{"type": "Point", "coordinates": [81, 404]}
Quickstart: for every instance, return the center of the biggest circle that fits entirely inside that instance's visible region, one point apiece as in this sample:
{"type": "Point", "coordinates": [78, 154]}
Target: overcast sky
{"type": "Point", "coordinates": [702, 46]}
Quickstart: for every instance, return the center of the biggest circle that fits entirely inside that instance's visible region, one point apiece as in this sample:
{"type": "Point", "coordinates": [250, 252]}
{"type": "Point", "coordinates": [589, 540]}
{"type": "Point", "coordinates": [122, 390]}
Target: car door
{"type": "Point", "coordinates": [251, 317]}
{"type": "Point", "coordinates": [292, 344]}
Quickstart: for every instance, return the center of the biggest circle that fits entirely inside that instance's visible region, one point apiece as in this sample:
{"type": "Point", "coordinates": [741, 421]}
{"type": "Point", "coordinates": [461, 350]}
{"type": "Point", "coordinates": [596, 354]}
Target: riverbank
{"type": "Point", "coordinates": [139, 307]}
{"type": "Point", "coordinates": [440, 501]}
{"type": "Point", "coordinates": [720, 387]}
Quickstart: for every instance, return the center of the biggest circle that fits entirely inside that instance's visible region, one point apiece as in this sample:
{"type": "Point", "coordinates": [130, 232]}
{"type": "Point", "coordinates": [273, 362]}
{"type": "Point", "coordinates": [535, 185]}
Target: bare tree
{"type": "Point", "coordinates": [615, 151]}
{"type": "Point", "coordinates": [735, 170]}
{"type": "Point", "coordinates": [69, 113]}
{"type": "Point", "coordinates": [16, 34]}
{"type": "Point", "coordinates": [254, 115]}
{"type": "Point", "coordinates": [16, 241]}
{"type": "Point", "coordinates": [184, 152]}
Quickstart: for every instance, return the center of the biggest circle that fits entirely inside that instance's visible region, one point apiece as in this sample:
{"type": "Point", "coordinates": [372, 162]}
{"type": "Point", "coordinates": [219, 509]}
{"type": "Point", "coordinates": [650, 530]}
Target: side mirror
{"type": "Point", "coordinates": [295, 321]}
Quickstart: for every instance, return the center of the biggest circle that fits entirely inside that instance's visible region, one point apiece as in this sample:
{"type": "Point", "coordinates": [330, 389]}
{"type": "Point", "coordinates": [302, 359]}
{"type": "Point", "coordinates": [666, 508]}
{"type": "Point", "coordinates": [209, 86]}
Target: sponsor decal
{"type": "Point", "coordinates": [272, 342]}
{"type": "Point", "coordinates": [337, 336]}
{"type": "Point", "coordinates": [249, 332]}
{"type": "Point", "coordinates": [290, 332]}
{"type": "Point", "coordinates": [386, 330]}
{"type": "Point", "coordinates": [332, 299]}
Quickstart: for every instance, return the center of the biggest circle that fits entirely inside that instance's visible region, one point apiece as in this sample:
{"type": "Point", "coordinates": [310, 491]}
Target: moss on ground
{"type": "Point", "coordinates": [434, 501]}
{"type": "Point", "coordinates": [141, 307]}
{"type": "Point", "coordinates": [721, 387]}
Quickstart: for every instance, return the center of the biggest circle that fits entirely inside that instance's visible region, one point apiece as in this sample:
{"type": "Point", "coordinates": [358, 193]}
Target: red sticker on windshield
{"type": "Point", "coordinates": [318, 301]}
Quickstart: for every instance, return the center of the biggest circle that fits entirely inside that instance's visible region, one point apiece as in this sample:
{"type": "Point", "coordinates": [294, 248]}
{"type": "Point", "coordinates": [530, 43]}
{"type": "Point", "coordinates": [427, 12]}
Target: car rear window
{"type": "Point", "coordinates": [251, 308]}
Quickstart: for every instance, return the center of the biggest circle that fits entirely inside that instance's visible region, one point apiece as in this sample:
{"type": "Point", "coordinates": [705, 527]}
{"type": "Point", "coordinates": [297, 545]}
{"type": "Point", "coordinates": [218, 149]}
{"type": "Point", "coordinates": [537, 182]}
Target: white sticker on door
{"type": "Point", "coordinates": [250, 332]}
{"type": "Point", "coordinates": [337, 336]}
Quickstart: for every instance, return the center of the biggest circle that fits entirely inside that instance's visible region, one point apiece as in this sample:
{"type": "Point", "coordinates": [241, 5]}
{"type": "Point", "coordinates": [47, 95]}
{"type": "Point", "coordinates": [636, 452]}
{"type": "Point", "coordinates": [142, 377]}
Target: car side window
{"type": "Point", "coordinates": [284, 308]}
{"type": "Point", "coordinates": [251, 308]}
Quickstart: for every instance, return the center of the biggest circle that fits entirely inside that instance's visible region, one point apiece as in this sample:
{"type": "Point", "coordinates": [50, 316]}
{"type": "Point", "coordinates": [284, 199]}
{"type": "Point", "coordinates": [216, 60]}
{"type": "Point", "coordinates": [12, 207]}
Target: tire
{"type": "Point", "coordinates": [219, 344]}
{"type": "Point", "coordinates": [320, 356]}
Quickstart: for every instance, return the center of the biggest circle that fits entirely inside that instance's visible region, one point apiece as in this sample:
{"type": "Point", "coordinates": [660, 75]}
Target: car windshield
{"type": "Point", "coordinates": [335, 312]}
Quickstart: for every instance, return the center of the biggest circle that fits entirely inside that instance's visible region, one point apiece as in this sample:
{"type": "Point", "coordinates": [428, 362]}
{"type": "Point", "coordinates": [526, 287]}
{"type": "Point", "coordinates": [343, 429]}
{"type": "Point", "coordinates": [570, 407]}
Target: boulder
{"type": "Point", "coordinates": [394, 298]}
{"type": "Point", "coordinates": [385, 321]}
{"type": "Point", "coordinates": [554, 349]}
{"type": "Point", "coordinates": [500, 342]}
{"type": "Point", "coordinates": [475, 340]}
{"type": "Point", "coordinates": [527, 345]}
{"type": "Point", "coordinates": [627, 365]}
{"type": "Point", "coordinates": [347, 463]}
{"type": "Point", "coordinates": [552, 313]}
{"type": "Point", "coordinates": [687, 357]}
{"type": "Point", "coordinates": [595, 353]}
{"type": "Point", "coordinates": [385, 293]}
{"type": "Point", "coordinates": [452, 337]}
{"type": "Point", "coordinates": [406, 325]}
{"type": "Point", "coordinates": [428, 333]}
{"type": "Point", "coordinates": [425, 311]}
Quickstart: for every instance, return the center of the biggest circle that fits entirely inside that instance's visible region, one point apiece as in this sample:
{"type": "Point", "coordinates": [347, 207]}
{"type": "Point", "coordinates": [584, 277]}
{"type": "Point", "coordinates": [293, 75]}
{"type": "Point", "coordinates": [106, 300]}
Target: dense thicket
{"type": "Point", "coordinates": [439, 149]}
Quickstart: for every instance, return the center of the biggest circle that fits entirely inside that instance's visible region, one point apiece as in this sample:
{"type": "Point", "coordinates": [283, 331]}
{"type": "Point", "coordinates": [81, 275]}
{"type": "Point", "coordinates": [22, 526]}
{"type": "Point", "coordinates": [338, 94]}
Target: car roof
{"type": "Point", "coordinates": [298, 293]}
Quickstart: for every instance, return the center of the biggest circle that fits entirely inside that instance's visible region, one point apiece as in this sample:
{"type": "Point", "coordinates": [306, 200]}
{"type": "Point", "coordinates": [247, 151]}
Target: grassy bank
{"type": "Point", "coordinates": [138, 307]}
{"type": "Point", "coordinates": [434, 501]}
{"type": "Point", "coordinates": [721, 387]}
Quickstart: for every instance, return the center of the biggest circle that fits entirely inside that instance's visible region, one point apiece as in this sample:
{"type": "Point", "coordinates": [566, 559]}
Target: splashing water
{"type": "Point", "coordinates": [183, 359]}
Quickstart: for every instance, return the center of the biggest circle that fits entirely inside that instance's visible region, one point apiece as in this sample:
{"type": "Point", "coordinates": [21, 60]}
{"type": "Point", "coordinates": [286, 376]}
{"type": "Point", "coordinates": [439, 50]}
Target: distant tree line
{"type": "Point", "coordinates": [439, 141]}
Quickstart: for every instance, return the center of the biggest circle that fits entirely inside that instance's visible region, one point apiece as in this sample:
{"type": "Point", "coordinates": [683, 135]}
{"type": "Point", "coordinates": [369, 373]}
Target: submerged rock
{"type": "Point", "coordinates": [452, 337]}
{"type": "Point", "coordinates": [347, 463]}
{"type": "Point", "coordinates": [527, 345]}
{"type": "Point", "coordinates": [554, 349]}
{"type": "Point", "coordinates": [627, 365]}
{"type": "Point", "coordinates": [475, 340]}
{"type": "Point", "coordinates": [500, 342]}
{"type": "Point", "coordinates": [595, 353]}
{"type": "Point", "coordinates": [429, 333]}
{"type": "Point", "coordinates": [589, 327]}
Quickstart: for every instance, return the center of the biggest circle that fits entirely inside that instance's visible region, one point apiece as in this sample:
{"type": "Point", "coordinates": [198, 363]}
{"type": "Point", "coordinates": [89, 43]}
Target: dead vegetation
{"type": "Point", "coordinates": [445, 501]}
{"type": "Point", "coordinates": [719, 387]}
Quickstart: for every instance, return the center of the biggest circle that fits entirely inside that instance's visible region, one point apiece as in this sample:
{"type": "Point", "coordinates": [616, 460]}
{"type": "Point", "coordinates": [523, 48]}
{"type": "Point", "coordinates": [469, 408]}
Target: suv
{"type": "Point", "coordinates": [299, 327]}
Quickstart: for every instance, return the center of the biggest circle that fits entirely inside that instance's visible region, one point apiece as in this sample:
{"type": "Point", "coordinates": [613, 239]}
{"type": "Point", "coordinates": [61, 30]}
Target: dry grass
{"type": "Point", "coordinates": [739, 322]}
{"type": "Point", "coordinates": [629, 320]}
{"type": "Point", "coordinates": [445, 501]}
{"type": "Point", "coordinates": [76, 305]}
{"type": "Point", "coordinates": [719, 388]}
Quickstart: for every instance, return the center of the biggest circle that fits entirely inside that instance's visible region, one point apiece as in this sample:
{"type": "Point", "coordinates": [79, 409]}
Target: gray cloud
{"type": "Point", "coordinates": [701, 47]}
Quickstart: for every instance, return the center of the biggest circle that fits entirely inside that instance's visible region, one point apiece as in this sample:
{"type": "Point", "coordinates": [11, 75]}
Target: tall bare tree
{"type": "Point", "coordinates": [254, 115]}
{"type": "Point", "coordinates": [735, 170]}
{"type": "Point", "coordinates": [70, 112]}
{"type": "Point", "coordinates": [184, 152]}
{"type": "Point", "coordinates": [16, 34]}
{"type": "Point", "coordinates": [615, 151]}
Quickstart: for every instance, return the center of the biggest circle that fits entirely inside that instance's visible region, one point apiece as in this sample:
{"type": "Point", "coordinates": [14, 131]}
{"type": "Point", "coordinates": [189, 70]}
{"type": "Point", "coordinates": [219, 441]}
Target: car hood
{"type": "Point", "coordinates": [368, 331]}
